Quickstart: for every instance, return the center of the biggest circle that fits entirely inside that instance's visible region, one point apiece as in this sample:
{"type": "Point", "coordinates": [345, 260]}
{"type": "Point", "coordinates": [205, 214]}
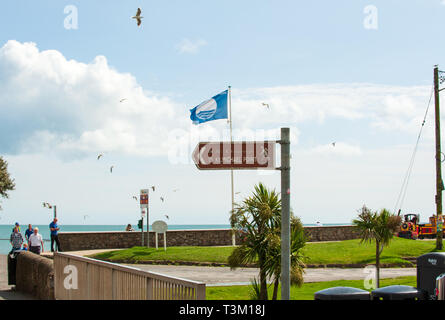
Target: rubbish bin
{"type": "Point", "coordinates": [440, 287]}
{"type": "Point", "coordinates": [429, 267]}
{"type": "Point", "coordinates": [342, 293]}
{"type": "Point", "coordinates": [12, 263]}
{"type": "Point", "coordinates": [398, 293]}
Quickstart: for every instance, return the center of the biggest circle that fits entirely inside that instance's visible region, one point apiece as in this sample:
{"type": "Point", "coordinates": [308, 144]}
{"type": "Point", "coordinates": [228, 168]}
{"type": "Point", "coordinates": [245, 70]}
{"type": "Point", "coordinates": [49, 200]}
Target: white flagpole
{"type": "Point", "coordinates": [231, 140]}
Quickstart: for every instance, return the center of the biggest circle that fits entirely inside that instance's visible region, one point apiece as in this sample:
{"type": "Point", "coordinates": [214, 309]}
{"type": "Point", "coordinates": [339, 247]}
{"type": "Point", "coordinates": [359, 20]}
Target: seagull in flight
{"type": "Point", "coordinates": [166, 216]}
{"type": "Point", "coordinates": [47, 205]}
{"type": "Point", "coordinates": [333, 143]}
{"type": "Point", "coordinates": [111, 169]}
{"type": "Point", "coordinates": [138, 17]}
{"type": "Point", "coordinates": [162, 199]}
{"type": "Point", "coordinates": [100, 156]}
{"type": "Point", "coordinates": [266, 105]}
{"type": "Point", "coordinates": [122, 100]}
{"type": "Point", "coordinates": [153, 187]}
{"type": "Point", "coordinates": [135, 198]}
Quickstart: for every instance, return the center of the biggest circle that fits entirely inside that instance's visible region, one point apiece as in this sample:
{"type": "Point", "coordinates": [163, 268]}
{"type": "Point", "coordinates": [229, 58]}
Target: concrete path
{"type": "Point", "coordinates": [223, 276]}
{"type": "Point", "coordinates": [49, 254]}
{"type": "Point", "coordinates": [6, 291]}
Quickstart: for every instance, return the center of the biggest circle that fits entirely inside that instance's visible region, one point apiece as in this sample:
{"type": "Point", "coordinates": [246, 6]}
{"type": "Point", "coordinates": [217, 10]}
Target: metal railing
{"type": "Point", "coordinates": [82, 278]}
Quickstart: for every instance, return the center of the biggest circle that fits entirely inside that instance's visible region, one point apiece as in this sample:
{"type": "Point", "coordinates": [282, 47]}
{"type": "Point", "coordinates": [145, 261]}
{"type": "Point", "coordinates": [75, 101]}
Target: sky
{"type": "Point", "coordinates": [357, 73]}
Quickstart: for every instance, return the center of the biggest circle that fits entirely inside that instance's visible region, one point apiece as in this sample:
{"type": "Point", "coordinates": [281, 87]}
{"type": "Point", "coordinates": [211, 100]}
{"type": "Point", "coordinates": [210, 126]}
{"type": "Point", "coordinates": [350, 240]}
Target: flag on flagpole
{"type": "Point", "coordinates": [212, 109]}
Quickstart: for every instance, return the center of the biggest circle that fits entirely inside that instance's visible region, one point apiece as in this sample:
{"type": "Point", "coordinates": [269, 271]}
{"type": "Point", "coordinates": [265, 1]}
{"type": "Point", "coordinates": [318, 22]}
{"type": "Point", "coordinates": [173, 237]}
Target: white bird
{"type": "Point", "coordinates": [138, 17]}
{"type": "Point", "coordinates": [135, 198]}
{"type": "Point", "coordinates": [99, 156]}
{"type": "Point", "coordinates": [266, 105]}
{"type": "Point", "coordinates": [162, 199]}
{"type": "Point", "coordinates": [111, 169]}
{"type": "Point", "coordinates": [122, 100]}
{"type": "Point", "coordinates": [333, 143]}
{"type": "Point", "coordinates": [153, 187]}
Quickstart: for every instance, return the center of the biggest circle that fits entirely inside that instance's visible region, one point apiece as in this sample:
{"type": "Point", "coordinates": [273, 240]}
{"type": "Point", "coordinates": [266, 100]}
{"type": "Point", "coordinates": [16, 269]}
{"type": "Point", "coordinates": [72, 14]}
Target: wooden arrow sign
{"type": "Point", "coordinates": [235, 155]}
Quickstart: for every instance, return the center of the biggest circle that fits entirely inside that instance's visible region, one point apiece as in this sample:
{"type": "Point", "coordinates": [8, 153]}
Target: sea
{"type": "Point", "coordinates": [6, 230]}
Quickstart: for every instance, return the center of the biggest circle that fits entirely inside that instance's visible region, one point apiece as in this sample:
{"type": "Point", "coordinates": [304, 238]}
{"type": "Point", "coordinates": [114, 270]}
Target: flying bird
{"type": "Point", "coordinates": [153, 187]}
{"type": "Point", "coordinates": [111, 169]}
{"type": "Point", "coordinates": [162, 199]}
{"type": "Point", "coordinates": [138, 17]}
{"type": "Point", "coordinates": [122, 100]}
{"type": "Point", "coordinates": [135, 198]}
{"type": "Point", "coordinates": [166, 216]}
{"type": "Point", "coordinates": [266, 105]}
{"type": "Point", "coordinates": [47, 205]}
{"type": "Point", "coordinates": [100, 156]}
{"type": "Point", "coordinates": [333, 143]}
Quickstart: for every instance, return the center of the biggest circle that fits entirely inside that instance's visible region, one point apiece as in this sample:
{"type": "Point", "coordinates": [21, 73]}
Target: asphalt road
{"type": "Point", "coordinates": [219, 276]}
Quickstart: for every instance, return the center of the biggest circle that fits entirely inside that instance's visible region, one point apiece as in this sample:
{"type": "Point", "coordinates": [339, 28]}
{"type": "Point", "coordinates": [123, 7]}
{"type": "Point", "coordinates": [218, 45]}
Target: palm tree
{"type": "Point", "coordinates": [273, 262]}
{"type": "Point", "coordinates": [379, 227]}
{"type": "Point", "coordinates": [258, 217]}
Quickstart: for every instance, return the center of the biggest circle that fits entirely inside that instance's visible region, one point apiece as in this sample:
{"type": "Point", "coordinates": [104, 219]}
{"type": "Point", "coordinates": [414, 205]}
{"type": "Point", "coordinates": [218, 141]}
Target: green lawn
{"type": "Point", "coordinates": [306, 292]}
{"type": "Point", "coordinates": [343, 252]}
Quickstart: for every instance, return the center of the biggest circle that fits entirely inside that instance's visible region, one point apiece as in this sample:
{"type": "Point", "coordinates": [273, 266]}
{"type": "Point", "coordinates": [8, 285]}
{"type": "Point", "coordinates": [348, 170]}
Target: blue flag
{"type": "Point", "coordinates": [212, 109]}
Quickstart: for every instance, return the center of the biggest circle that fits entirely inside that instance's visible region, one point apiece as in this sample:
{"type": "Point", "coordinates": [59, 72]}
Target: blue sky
{"type": "Point", "coordinates": [325, 75]}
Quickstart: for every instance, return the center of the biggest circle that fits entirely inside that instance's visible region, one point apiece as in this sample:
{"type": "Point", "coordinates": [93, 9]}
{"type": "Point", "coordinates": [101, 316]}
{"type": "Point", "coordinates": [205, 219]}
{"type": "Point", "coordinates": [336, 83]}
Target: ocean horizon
{"type": "Point", "coordinates": [6, 229]}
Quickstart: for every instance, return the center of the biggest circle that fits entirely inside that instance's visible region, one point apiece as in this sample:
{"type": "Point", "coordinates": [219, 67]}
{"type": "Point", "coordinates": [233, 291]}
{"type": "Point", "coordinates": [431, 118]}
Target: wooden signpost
{"type": "Point", "coordinates": [259, 155]}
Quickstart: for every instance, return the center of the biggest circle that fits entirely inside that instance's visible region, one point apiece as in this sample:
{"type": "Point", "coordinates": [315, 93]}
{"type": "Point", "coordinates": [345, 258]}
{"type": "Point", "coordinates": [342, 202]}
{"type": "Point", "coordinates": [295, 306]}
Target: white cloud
{"type": "Point", "coordinates": [49, 104]}
{"type": "Point", "coordinates": [190, 46]}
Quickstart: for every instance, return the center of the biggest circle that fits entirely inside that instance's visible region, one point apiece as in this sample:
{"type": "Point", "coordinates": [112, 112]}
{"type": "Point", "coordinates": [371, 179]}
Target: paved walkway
{"type": "Point", "coordinates": [220, 276]}
{"type": "Point", "coordinates": [6, 291]}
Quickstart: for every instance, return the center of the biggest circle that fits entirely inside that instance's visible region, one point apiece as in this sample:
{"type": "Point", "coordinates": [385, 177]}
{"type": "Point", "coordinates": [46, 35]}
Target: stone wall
{"type": "Point", "coordinates": [331, 233]}
{"type": "Point", "coordinates": [35, 275]}
{"type": "Point", "coordinates": [74, 241]}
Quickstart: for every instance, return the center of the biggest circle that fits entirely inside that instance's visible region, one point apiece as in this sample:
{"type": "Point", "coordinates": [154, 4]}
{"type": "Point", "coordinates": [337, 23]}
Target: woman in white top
{"type": "Point", "coordinates": [35, 241]}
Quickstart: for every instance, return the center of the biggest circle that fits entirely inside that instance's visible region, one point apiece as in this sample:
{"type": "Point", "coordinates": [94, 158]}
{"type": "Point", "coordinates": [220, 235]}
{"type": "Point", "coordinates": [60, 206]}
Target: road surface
{"type": "Point", "coordinates": [223, 276]}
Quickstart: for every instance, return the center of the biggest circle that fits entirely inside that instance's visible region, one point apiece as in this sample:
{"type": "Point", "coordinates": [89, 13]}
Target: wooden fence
{"type": "Point", "coordinates": [81, 278]}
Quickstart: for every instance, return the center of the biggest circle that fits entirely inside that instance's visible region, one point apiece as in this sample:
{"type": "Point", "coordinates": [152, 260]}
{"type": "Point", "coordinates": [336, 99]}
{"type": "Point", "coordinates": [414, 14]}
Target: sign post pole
{"type": "Point", "coordinates": [285, 214]}
{"type": "Point", "coordinates": [143, 198]}
{"type": "Point", "coordinates": [148, 224]}
{"type": "Point", "coordinates": [142, 230]}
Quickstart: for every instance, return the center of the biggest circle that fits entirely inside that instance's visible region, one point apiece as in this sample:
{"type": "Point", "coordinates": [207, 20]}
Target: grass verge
{"type": "Point", "coordinates": [347, 252]}
{"type": "Point", "coordinates": [306, 292]}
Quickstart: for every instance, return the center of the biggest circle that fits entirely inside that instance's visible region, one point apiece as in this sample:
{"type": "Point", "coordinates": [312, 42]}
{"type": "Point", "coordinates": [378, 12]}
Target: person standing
{"type": "Point", "coordinates": [54, 227]}
{"type": "Point", "coordinates": [28, 232]}
{"type": "Point", "coordinates": [16, 239]}
{"type": "Point", "coordinates": [35, 242]}
{"type": "Point", "coordinates": [17, 225]}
